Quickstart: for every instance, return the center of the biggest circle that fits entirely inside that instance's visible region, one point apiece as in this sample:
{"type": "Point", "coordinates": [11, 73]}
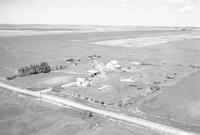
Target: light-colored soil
{"type": "Point", "coordinates": [31, 30]}
{"type": "Point", "coordinates": [149, 41]}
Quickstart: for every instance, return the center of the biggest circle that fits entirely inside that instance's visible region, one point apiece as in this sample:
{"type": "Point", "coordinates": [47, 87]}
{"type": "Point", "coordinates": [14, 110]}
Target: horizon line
{"type": "Point", "coordinates": [122, 25]}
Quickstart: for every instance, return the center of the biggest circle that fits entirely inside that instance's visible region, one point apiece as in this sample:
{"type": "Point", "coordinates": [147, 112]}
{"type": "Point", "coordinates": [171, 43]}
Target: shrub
{"type": "Point", "coordinates": [57, 89]}
{"type": "Point", "coordinates": [90, 114]}
{"type": "Point", "coordinates": [102, 102]}
{"type": "Point", "coordinates": [11, 77]}
{"type": "Point", "coordinates": [96, 101]}
{"type": "Point", "coordinates": [60, 67]}
{"type": "Point", "coordinates": [154, 88]}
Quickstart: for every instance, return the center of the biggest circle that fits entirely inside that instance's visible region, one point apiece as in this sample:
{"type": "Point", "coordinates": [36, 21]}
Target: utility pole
{"type": "Point", "coordinates": [40, 96]}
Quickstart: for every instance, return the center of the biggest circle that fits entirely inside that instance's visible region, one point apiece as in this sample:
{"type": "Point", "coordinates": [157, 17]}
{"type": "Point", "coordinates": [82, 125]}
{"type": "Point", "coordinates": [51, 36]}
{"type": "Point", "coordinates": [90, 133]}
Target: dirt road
{"type": "Point", "coordinates": [65, 102]}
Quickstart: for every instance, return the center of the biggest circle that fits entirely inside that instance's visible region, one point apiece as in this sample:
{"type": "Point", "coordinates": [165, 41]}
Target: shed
{"type": "Point", "coordinates": [93, 73]}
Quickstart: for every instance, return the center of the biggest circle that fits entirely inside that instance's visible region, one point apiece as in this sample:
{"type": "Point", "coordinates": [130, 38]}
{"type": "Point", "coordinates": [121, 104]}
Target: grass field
{"type": "Point", "coordinates": [179, 102]}
{"type": "Point", "coordinates": [22, 115]}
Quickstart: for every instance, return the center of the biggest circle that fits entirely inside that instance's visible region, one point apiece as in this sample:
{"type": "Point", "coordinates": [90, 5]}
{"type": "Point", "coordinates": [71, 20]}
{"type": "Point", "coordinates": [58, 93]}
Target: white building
{"type": "Point", "coordinates": [112, 65]}
{"type": "Point", "coordinates": [118, 66]}
{"type": "Point", "coordinates": [135, 63]}
{"type": "Point", "coordinates": [83, 82]}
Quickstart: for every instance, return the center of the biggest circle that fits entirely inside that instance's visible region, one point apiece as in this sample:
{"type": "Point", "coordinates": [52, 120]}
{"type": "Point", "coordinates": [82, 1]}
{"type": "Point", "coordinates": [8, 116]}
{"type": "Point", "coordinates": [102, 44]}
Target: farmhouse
{"type": "Point", "coordinates": [112, 65]}
{"type": "Point", "coordinates": [83, 82]}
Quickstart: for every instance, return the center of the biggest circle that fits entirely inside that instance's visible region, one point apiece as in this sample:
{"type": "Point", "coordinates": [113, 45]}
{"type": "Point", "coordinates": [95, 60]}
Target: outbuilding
{"type": "Point", "coordinates": [93, 73]}
{"type": "Point", "coordinates": [70, 60]}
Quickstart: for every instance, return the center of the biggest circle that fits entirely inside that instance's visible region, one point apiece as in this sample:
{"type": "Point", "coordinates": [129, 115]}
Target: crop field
{"type": "Point", "coordinates": [158, 77]}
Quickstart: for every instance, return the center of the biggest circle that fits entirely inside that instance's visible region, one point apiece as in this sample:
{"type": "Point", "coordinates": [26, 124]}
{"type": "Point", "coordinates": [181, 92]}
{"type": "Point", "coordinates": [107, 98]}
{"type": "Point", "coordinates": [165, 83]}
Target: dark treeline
{"type": "Point", "coordinates": [34, 69]}
{"type": "Point", "coordinates": [59, 67]}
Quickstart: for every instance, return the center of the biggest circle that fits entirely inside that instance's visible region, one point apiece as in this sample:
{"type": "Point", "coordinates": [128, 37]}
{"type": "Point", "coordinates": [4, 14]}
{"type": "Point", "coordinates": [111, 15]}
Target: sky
{"type": "Point", "coordinates": [101, 12]}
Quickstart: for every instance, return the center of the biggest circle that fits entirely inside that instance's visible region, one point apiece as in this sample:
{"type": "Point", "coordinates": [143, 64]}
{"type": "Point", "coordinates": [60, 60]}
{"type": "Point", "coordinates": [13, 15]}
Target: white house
{"type": "Point", "coordinates": [83, 82]}
{"type": "Point", "coordinates": [112, 65]}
